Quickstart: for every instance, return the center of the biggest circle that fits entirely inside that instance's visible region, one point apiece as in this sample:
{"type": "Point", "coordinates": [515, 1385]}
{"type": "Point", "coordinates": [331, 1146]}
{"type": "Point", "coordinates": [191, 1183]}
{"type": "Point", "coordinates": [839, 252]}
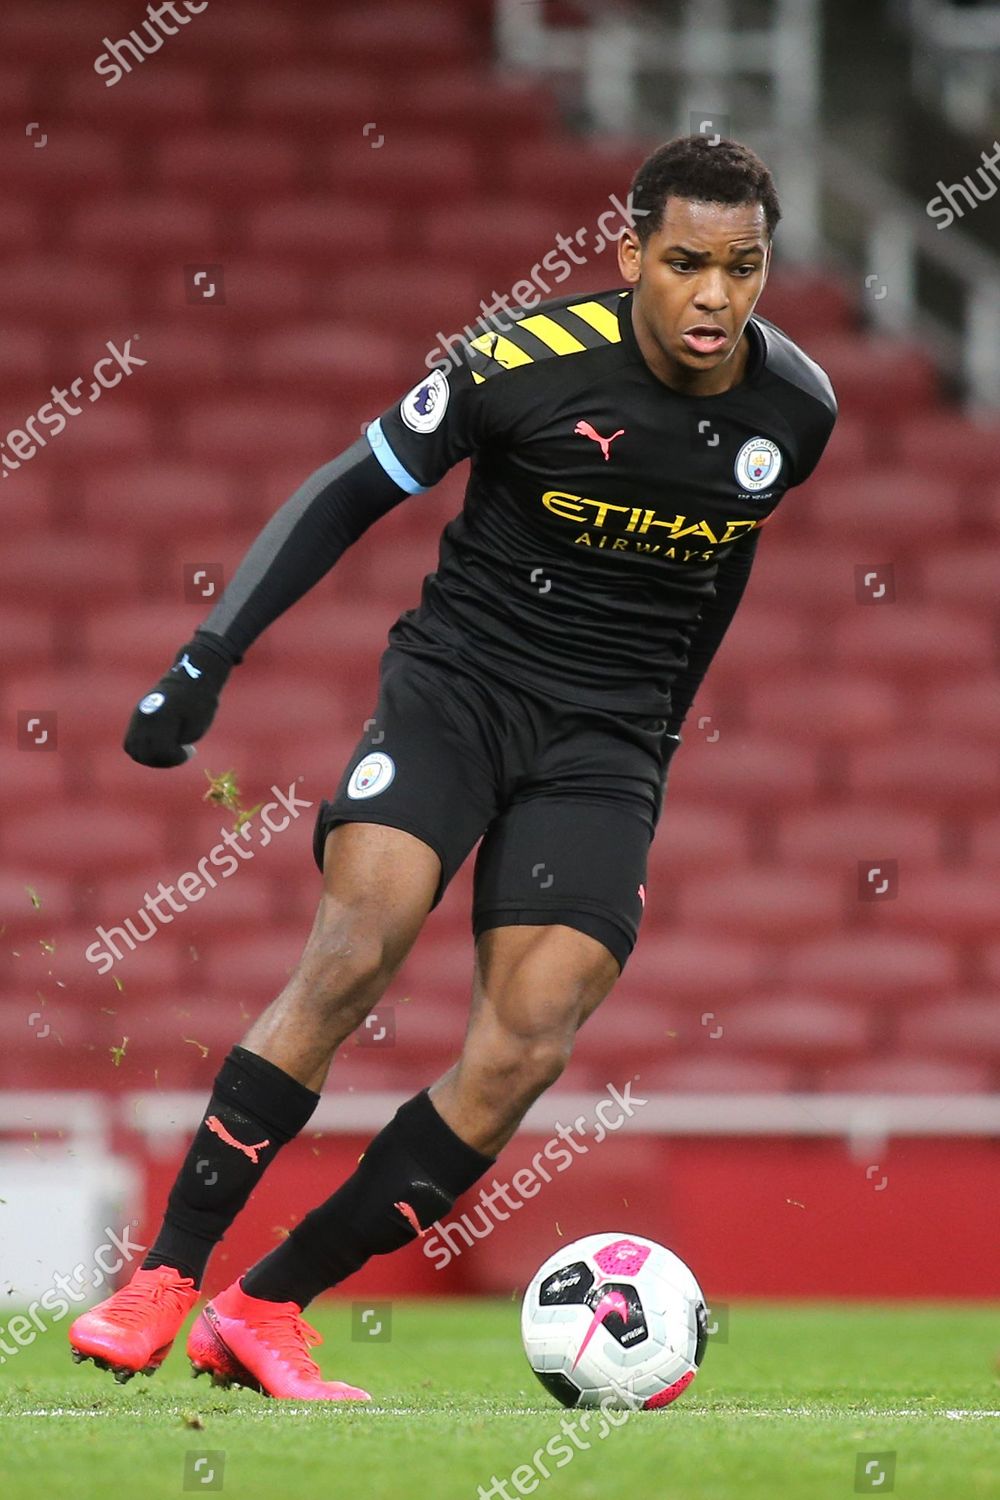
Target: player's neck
{"type": "Point", "coordinates": [684, 381]}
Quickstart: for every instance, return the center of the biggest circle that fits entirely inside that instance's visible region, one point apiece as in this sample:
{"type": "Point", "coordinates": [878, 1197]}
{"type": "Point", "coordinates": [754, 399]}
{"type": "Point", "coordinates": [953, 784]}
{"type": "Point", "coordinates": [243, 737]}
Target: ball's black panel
{"type": "Point", "coordinates": [701, 1314]}
{"type": "Point", "coordinates": [568, 1284]}
{"type": "Point", "coordinates": [630, 1329]}
{"type": "Point", "coordinates": [560, 1386]}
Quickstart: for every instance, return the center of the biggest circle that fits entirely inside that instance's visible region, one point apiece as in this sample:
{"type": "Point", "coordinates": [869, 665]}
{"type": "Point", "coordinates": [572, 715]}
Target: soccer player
{"type": "Point", "coordinates": [626, 448]}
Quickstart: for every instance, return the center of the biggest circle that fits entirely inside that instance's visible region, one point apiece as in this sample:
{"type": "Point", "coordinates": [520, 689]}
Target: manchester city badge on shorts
{"type": "Point", "coordinates": [758, 464]}
{"type": "Point", "coordinates": [371, 775]}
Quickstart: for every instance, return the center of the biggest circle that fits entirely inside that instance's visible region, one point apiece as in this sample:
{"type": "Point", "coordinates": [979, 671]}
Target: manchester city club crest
{"type": "Point", "coordinates": [371, 775]}
{"type": "Point", "coordinates": [758, 464]}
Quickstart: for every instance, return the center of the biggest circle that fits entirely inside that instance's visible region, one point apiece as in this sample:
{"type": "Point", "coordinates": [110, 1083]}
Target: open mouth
{"type": "Point", "coordinates": [705, 338]}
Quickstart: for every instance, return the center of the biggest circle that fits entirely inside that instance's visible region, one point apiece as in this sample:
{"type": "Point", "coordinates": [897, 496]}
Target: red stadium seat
{"type": "Point", "coordinates": [961, 905]}
{"type": "Point", "coordinates": [259, 292]}
{"type": "Point", "coordinates": [57, 290]}
{"type": "Point", "coordinates": [878, 968]}
{"type": "Point", "coordinates": [28, 634]}
{"type": "Point", "coordinates": [70, 571]}
{"type": "Point", "coordinates": [229, 164]}
{"type": "Point", "coordinates": [683, 967]}
{"type": "Point", "coordinates": [466, 102]}
{"type": "Point", "coordinates": [787, 905]}
{"type": "Point", "coordinates": [964, 1025]}
{"type": "Point", "coordinates": [896, 639]}
{"type": "Point", "coordinates": [46, 30]}
{"type": "Point", "coordinates": [447, 301]}
{"type": "Point", "coordinates": [841, 837]}
{"type": "Point", "coordinates": [448, 169]}
{"type": "Point", "coordinates": [839, 708]}
{"type": "Point", "coordinates": [400, 37]}
{"type": "Point", "coordinates": [798, 571]}
{"type": "Point", "coordinates": [876, 374]}
{"type": "Point", "coordinates": [904, 1075]}
{"type": "Point", "coordinates": [928, 771]}
{"type": "Point", "coordinates": [148, 228]}
{"type": "Point", "coordinates": [28, 777]}
{"type": "Point", "coordinates": [884, 508]}
{"type": "Point", "coordinates": [693, 837]}
{"type": "Point", "coordinates": [172, 497]}
{"type": "Point", "coordinates": [162, 97]}
{"type": "Point", "coordinates": [717, 1075]}
{"type": "Point", "coordinates": [261, 428]}
{"type": "Point", "coordinates": [320, 356]}
{"type": "Point", "coordinates": [27, 361]}
{"type": "Point", "coordinates": [324, 230]}
{"type": "Point", "coordinates": [34, 907]}
{"type": "Point", "coordinates": [807, 305]}
{"type": "Point", "coordinates": [74, 162]}
{"type": "Point", "coordinates": [740, 771]}
{"type": "Point", "coordinates": [970, 707]}
{"type": "Point", "coordinates": [799, 1028]}
{"type": "Point", "coordinates": [962, 575]}
{"type": "Point", "coordinates": [15, 94]}
{"type": "Point", "coordinates": [93, 839]}
{"type": "Point", "coordinates": [965, 451]}
{"type": "Point", "coordinates": [20, 226]}
{"type": "Point", "coordinates": [581, 182]}
{"type": "Point", "coordinates": [984, 848]}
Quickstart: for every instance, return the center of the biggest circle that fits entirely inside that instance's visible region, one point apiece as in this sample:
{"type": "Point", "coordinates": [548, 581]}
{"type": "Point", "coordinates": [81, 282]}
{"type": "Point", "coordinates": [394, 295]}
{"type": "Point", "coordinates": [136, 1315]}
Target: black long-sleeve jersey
{"type": "Point", "coordinates": [609, 523]}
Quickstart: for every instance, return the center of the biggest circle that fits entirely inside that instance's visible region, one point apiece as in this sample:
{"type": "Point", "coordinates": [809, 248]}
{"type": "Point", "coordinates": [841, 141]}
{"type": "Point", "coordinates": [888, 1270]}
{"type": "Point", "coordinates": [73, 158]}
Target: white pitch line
{"type": "Point", "coordinates": [954, 1415]}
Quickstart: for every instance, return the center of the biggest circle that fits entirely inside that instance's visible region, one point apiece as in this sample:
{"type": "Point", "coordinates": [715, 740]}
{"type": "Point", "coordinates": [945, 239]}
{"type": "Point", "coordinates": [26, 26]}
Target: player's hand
{"type": "Point", "coordinates": [180, 708]}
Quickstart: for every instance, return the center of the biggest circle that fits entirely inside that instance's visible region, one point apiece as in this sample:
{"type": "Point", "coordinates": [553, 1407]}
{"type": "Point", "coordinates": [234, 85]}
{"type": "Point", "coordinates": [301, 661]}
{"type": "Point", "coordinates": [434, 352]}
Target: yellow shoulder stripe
{"type": "Point", "coordinates": [506, 353]}
{"type": "Point", "coordinates": [599, 317]}
{"type": "Point", "coordinates": [551, 333]}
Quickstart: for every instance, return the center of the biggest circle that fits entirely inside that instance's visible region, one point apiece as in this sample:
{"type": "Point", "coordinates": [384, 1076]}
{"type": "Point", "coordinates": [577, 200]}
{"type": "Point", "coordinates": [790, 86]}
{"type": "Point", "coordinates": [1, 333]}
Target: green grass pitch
{"type": "Point", "coordinates": [781, 1409]}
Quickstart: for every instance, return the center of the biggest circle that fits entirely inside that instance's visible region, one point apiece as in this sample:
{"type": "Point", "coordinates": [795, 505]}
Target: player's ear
{"type": "Point", "coordinates": [629, 254]}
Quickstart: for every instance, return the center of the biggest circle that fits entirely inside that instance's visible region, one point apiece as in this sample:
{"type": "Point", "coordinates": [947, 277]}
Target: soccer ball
{"type": "Point", "coordinates": [614, 1321]}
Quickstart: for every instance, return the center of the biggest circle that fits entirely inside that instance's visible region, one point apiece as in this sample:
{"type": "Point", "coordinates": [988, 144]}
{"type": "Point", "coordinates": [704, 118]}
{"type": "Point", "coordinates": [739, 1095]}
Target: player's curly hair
{"type": "Point", "coordinates": [690, 166]}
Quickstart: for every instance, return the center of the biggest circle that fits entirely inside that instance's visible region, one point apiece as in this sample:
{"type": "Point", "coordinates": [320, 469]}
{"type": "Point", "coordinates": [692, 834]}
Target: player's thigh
{"type": "Point", "coordinates": [576, 864]}
{"type": "Point", "coordinates": [378, 886]}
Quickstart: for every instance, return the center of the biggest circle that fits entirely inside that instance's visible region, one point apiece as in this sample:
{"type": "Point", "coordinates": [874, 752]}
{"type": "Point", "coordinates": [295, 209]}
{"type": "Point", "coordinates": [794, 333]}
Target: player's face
{"type": "Point", "coordinates": [696, 282]}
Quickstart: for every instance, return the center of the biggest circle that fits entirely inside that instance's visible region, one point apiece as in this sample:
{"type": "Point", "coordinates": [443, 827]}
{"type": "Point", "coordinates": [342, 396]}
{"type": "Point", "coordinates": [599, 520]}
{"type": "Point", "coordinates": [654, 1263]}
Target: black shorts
{"type": "Point", "coordinates": [565, 799]}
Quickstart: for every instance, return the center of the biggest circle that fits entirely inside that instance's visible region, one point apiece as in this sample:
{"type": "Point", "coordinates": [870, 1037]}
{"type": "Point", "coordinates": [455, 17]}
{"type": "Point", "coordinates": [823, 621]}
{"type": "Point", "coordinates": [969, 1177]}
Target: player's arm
{"type": "Point", "coordinates": [406, 450]}
{"type": "Point", "coordinates": [714, 620]}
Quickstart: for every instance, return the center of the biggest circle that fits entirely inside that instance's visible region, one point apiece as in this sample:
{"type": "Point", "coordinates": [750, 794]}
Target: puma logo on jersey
{"type": "Point", "coordinates": [584, 429]}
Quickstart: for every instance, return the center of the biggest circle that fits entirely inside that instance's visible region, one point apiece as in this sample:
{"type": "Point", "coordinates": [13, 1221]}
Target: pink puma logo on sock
{"type": "Point", "coordinates": [216, 1126]}
{"type": "Point", "coordinates": [584, 429]}
{"type": "Point", "coordinates": [410, 1217]}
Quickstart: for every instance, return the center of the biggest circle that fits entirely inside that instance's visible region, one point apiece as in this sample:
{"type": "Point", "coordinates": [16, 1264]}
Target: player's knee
{"type": "Point", "coordinates": [520, 1067]}
{"type": "Point", "coordinates": [346, 960]}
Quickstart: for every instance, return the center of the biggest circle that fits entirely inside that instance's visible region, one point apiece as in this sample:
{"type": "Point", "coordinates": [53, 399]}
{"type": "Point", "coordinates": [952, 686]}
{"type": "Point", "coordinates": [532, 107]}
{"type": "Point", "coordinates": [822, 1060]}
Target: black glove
{"type": "Point", "coordinates": [181, 706]}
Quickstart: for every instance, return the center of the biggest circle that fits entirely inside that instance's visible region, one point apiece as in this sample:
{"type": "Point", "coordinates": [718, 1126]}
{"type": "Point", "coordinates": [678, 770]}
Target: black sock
{"type": "Point", "coordinates": [255, 1109]}
{"type": "Point", "coordinates": [416, 1163]}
